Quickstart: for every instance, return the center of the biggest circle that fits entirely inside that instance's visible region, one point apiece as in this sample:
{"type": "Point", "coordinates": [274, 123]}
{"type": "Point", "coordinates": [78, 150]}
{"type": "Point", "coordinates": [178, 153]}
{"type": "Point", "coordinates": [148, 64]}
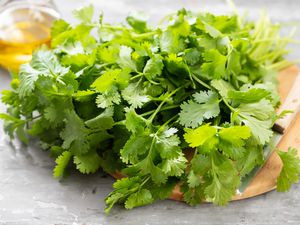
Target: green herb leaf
{"type": "Point", "coordinates": [290, 171]}
{"type": "Point", "coordinates": [204, 106]}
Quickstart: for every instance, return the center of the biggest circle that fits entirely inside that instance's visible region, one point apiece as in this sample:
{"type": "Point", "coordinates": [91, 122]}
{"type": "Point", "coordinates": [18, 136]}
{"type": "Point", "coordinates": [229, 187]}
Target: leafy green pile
{"type": "Point", "coordinates": [141, 100]}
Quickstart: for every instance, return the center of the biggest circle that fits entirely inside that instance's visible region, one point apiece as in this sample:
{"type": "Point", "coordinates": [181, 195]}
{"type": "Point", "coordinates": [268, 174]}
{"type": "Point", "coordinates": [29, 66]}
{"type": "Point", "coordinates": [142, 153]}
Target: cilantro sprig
{"type": "Point", "coordinates": [191, 102]}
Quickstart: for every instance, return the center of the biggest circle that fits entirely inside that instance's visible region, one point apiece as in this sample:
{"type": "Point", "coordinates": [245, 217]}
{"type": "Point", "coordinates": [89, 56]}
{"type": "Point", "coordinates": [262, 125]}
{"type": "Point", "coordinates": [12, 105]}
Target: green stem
{"type": "Point", "coordinates": [144, 35]}
{"type": "Point", "coordinates": [281, 64]}
{"type": "Point", "coordinates": [107, 26]}
{"type": "Point", "coordinates": [201, 82]}
{"type": "Point", "coordinates": [145, 181]}
{"type": "Point", "coordinates": [229, 106]}
{"type": "Point", "coordinates": [168, 121]}
{"type": "Point", "coordinates": [239, 32]}
{"type": "Point", "coordinates": [162, 109]}
{"type": "Point", "coordinates": [36, 117]}
{"type": "Point", "coordinates": [137, 76]}
{"type": "Point", "coordinates": [121, 122]}
{"type": "Point", "coordinates": [55, 93]}
{"type": "Point", "coordinates": [162, 103]}
{"type": "Point", "coordinates": [191, 77]}
{"type": "Point", "coordinates": [218, 127]}
{"type": "Point", "coordinates": [273, 55]}
{"type": "Point", "coordinates": [290, 40]}
{"type": "Point", "coordinates": [104, 65]}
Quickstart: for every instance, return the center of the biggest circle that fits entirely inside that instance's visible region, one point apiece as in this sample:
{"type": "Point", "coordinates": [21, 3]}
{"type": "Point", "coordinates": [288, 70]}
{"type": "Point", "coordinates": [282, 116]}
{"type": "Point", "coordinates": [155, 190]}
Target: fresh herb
{"type": "Point", "coordinates": [134, 99]}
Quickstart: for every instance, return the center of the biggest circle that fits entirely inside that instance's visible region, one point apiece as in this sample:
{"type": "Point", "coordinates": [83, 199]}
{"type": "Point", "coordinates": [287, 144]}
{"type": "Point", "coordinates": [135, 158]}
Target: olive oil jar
{"type": "Point", "coordinates": [24, 25]}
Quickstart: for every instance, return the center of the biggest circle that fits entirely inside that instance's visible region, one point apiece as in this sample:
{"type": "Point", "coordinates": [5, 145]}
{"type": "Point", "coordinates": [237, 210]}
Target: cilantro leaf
{"type": "Point", "coordinates": [214, 67]}
{"type": "Point", "coordinates": [197, 137]}
{"type": "Point", "coordinates": [85, 14]}
{"type": "Point", "coordinates": [174, 166]}
{"type": "Point", "coordinates": [137, 21]}
{"type": "Point", "coordinates": [125, 59]}
{"type": "Point", "coordinates": [108, 98]}
{"type": "Point", "coordinates": [88, 163]}
{"type": "Point", "coordinates": [204, 106]}
{"type": "Point", "coordinates": [290, 171]}
{"type": "Point", "coordinates": [62, 162]}
{"type": "Point", "coordinates": [232, 140]}
{"type": "Point", "coordinates": [58, 27]}
{"type": "Point", "coordinates": [153, 67]}
{"type": "Point", "coordinates": [135, 123]}
{"type": "Point", "coordinates": [167, 144]}
{"type": "Point", "coordinates": [193, 180]}
{"type": "Point", "coordinates": [123, 188]}
{"type": "Point", "coordinates": [162, 191]}
{"type": "Point", "coordinates": [135, 95]}
{"type": "Point", "coordinates": [139, 198]}
{"type": "Point", "coordinates": [253, 95]}
{"type": "Point", "coordinates": [252, 157]}
{"type": "Point", "coordinates": [259, 118]}
{"type": "Point", "coordinates": [224, 182]}
{"type": "Point", "coordinates": [222, 87]}
{"type": "Point", "coordinates": [75, 134]}
{"type": "Point", "coordinates": [103, 121]}
{"type": "Point", "coordinates": [109, 79]}
{"type": "Point", "coordinates": [171, 42]}
{"type": "Point", "coordinates": [147, 167]}
{"type": "Point", "coordinates": [43, 63]}
{"type": "Point", "coordinates": [135, 146]}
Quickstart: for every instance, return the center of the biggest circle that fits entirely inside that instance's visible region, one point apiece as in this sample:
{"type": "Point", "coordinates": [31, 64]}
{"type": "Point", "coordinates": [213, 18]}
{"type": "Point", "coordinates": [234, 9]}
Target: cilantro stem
{"type": "Point", "coordinates": [227, 104]}
{"type": "Point", "coordinates": [282, 64]}
{"type": "Point", "coordinates": [239, 32]}
{"type": "Point", "coordinates": [104, 65]}
{"type": "Point", "coordinates": [162, 103]}
{"type": "Point", "coordinates": [144, 35]}
{"type": "Point", "coordinates": [290, 40]}
{"type": "Point", "coordinates": [191, 77]}
{"type": "Point", "coordinates": [218, 127]}
{"type": "Point", "coordinates": [35, 117]}
{"type": "Point", "coordinates": [168, 121]}
{"type": "Point", "coordinates": [144, 182]}
{"type": "Point", "coordinates": [201, 82]}
{"type": "Point", "coordinates": [112, 27]}
{"type": "Point", "coordinates": [55, 93]}
{"type": "Point", "coordinates": [122, 122]}
{"type": "Point", "coordinates": [162, 109]}
{"type": "Point", "coordinates": [273, 55]}
{"type": "Point", "coordinates": [153, 82]}
{"type": "Point", "coordinates": [137, 76]}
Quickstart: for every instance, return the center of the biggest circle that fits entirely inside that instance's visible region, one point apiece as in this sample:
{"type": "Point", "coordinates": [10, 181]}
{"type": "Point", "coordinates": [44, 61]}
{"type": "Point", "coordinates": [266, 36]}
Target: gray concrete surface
{"type": "Point", "coordinates": [30, 196]}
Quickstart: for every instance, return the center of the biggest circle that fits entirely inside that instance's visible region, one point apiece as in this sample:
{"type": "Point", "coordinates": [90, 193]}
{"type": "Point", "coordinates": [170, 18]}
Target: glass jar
{"type": "Point", "coordinates": [24, 25]}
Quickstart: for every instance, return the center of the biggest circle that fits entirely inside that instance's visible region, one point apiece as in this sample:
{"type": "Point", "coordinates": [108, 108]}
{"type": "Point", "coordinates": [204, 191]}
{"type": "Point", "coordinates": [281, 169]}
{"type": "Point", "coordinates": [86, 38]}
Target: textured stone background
{"type": "Point", "coordinates": [30, 196]}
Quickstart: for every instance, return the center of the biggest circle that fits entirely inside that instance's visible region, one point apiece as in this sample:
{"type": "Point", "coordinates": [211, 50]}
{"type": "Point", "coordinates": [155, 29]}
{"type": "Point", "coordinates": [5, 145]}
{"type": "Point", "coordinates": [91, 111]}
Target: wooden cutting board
{"type": "Point", "coordinates": [265, 180]}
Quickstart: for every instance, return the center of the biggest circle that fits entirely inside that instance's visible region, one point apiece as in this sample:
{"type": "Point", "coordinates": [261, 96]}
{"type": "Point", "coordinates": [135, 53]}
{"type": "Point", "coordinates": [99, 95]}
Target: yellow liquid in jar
{"type": "Point", "coordinates": [23, 30]}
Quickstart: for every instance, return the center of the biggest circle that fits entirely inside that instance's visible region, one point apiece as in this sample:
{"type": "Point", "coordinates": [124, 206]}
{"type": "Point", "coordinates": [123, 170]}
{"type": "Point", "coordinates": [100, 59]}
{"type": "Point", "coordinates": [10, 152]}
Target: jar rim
{"type": "Point", "coordinates": [40, 4]}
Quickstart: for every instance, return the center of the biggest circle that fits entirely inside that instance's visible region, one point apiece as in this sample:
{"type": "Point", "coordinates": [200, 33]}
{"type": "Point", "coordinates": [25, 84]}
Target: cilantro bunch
{"type": "Point", "coordinates": [191, 102]}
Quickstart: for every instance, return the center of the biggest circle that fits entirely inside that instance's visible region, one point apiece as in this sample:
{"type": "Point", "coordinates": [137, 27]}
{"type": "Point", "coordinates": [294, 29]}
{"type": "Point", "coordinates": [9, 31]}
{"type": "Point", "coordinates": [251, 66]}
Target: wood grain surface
{"type": "Point", "coordinates": [265, 180]}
